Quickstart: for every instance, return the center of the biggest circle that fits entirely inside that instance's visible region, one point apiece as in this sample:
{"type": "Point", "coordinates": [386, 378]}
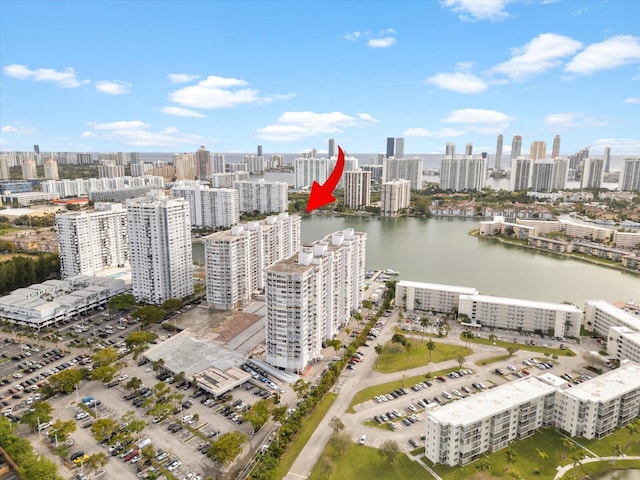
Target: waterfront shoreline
{"type": "Point", "coordinates": [593, 261]}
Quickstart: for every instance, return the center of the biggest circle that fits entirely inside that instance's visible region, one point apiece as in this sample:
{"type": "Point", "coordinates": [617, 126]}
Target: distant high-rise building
{"type": "Point", "coordinates": [209, 207]}
{"type": "Point", "coordinates": [390, 144]}
{"type": "Point", "coordinates": [235, 259]}
{"type": "Point", "coordinates": [108, 157]}
{"type": "Point", "coordinates": [259, 152]}
{"type": "Point", "coordinates": [91, 241]}
{"type": "Point", "coordinates": [450, 150]}
{"type": "Point", "coordinates": [538, 150]}
{"type": "Point", "coordinates": [630, 175]}
{"type": "Point", "coordinates": [516, 147]}
{"type": "Point", "coordinates": [135, 158]}
{"type": "Point", "coordinates": [592, 172]}
{"type": "Point", "coordinates": [4, 167]}
{"type": "Point", "coordinates": [51, 169]}
{"type": "Point", "coordinates": [36, 148]}
{"type": "Point", "coordinates": [468, 149]}
{"type": "Point", "coordinates": [29, 170]}
{"type": "Point", "coordinates": [463, 173]}
{"type": "Point", "coordinates": [560, 173]}
{"type": "Point", "coordinates": [184, 163]}
{"type": "Point", "coordinates": [218, 163]}
{"type": "Point", "coordinates": [357, 189]}
{"type": "Point", "coordinates": [399, 148]}
{"type": "Point", "coordinates": [555, 151]}
{"type": "Point", "coordinates": [123, 158]}
{"type": "Point", "coordinates": [110, 171]}
{"type": "Point", "coordinates": [394, 196]}
{"type": "Point", "coordinates": [380, 159]}
{"type": "Point", "coordinates": [83, 159]}
{"type": "Point", "coordinates": [542, 176]}
{"type": "Point", "coordinates": [203, 164]}
{"type": "Point", "coordinates": [332, 148]}
{"type": "Point", "coordinates": [577, 158]}
{"type": "Point", "coordinates": [254, 164]}
{"type": "Point", "coordinates": [520, 174]}
{"type": "Point", "coordinates": [498, 164]}
{"type": "Point", "coordinates": [607, 159]}
{"type": "Point", "coordinates": [375, 170]}
{"type": "Point", "coordinates": [308, 170]}
{"type": "Point", "coordinates": [310, 295]}
{"type": "Point", "coordinates": [262, 197]}
{"type": "Point", "coordinates": [160, 247]}
{"type": "Point", "coordinates": [403, 168]}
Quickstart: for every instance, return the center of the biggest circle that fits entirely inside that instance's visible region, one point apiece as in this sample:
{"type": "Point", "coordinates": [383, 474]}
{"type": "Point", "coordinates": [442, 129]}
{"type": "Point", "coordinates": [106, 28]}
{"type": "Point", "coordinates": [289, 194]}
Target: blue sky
{"type": "Point", "coordinates": [171, 76]}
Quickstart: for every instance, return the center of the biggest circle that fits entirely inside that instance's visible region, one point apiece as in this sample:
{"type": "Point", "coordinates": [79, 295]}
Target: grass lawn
{"type": "Point", "coordinates": [487, 361]}
{"type": "Point", "coordinates": [308, 427]}
{"type": "Point", "coordinates": [389, 362]}
{"type": "Point", "coordinates": [375, 390]}
{"type": "Point", "coordinates": [521, 346]}
{"type": "Point", "coordinates": [605, 446]}
{"type": "Point", "coordinates": [526, 459]}
{"type": "Point", "coordinates": [362, 462]}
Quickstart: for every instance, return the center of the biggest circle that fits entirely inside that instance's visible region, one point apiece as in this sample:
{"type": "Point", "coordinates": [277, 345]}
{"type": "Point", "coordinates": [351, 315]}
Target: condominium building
{"type": "Point", "coordinates": [235, 259]}
{"type": "Point", "coordinates": [516, 147]}
{"type": "Point", "coordinates": [91, 241]}
{"type": "Point", "coordinates": [357, 188]}
{"type": "Point", "coordinates": [462, 431]}
{"type": "Point", "coordinates": [555, 151]}
{"type": "Point", "coordinates": [209, 207]}
{"type": "Point", "coordinates": [399, 153]}
{"type": "Point", "coordinates": [308, 170]}
{"type": "Point", "coordinates": [403, 168]}
{"type": "Point", "coordinates": [520, 174]}
{"type": "Point", "coordinates": [560, 173]}
{"type": "Point", "coordinates": [4, 167]}
{"type": "Point", "coordinates": [626, 239]}
{"type": "Point", "coordinates": [430, 297]}
{"type": "Point", "coordinates": [110, 171]}
{"type": "Point", "coordinates": [255, 164]}
{"type": "Point", "coordinates": [579, 230]}
{"type": "Point", "coordinates": [498, 163]}
{"type": "Point", "coordinates": [375, 170]}
{"type": "Point", "coordinates": [309, 296]}
{"type": "Point", "coordinates": [185, 166]}
{"type": "Point", "coordinates": [51, 169]}
{"type": "Point", "coordinates": [556, 319]}
{"type": "Point", "coordinates": [463, 173]}
{"type": "Point", "coordinates": [262, 197]}
{"type": "Point", "coordinates": [595, 408]}
{"type": "Point", "coordinates": [203, 164]}
{"type": "Point", "coordinates": [538, 150]}
{"type": "Point", "coordinates": [160, 247]}
{"type": "Point", "coordinates": [623, 343]}
{"type": "Point", "coordinates": [630, 175]}
{"type": "Point", "coordinates": [542, 175]}
{"type": "Point", "coordinates": [218, 163]}
{"type": "Point", "coordinates": [600, 316]}
{"type": "Point", "coordinates": [394, 197]}
{"type": "Point", "coordinates": [592, 173]}
{"type": "Point", "coordinates": [29, 169]}
{"type": "Point", "coordinates": [225, 180]}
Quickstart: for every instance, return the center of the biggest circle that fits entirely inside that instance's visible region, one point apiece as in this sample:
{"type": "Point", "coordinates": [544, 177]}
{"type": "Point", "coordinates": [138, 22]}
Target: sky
{"type": "Point", "coordinates": [171, 76]}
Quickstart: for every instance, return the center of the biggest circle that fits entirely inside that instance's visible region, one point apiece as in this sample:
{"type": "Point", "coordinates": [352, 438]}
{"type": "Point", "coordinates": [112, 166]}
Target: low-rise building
{"type": "Point", "coordinates": [430, 297]}
{"type": "Point", "coordinates": [600, 316]}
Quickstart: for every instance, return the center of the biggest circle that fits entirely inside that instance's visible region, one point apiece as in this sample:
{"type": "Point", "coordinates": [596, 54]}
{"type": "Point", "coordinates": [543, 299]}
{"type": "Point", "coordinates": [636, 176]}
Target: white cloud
{"type": "Point", "coordinates": [352, 36]}
{"type": "Point", "coordinates": [217, 92]}
{"type": "Point", "coordinates": [632, 100]}
{"type": "Point", "coordinates": [484, 122]}
{"type": "Point", "coordinates": [284, 96]}
{"type": "Point", "coordinates": [472, 10]}
{"type": "Point", "coordinates": [441, 133]}
{"type": "Point", "coordinates": [182, 77]}
{"type": "Point", "coordinates": [381, 42]}
{"type": "Point", "coordinates": [543, 53]}
{"type": "Point", "coordinates": [292, 126]}
{"type": "Point", "coordinates": [115, 87]}
{"type": "Point", "coordinates": [14, 129]}
{"type": "Point", "coordinates": [460, 82]}
{"type": "Point", "coordinates": [65, 79]}
{"type": "Point", "coordinates": [619, 146]}
{"type": "Point", "coordinates": [611, 53]}
{"type": "Point", "coordinates": [571, 119]}
{"type": "Point", "coordinates": [181, 112]}
{"type": "Point", "coordinates": [136, 132]}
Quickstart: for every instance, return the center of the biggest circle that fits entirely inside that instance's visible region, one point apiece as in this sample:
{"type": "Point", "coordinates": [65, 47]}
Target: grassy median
{"type": "Point", "coordinates": [395, 358]}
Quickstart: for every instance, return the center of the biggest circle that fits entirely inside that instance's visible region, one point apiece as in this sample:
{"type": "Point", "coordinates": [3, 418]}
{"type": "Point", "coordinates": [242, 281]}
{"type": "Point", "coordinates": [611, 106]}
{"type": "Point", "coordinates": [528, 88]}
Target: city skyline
{"type": "Point", "coordinates": [534, 69]}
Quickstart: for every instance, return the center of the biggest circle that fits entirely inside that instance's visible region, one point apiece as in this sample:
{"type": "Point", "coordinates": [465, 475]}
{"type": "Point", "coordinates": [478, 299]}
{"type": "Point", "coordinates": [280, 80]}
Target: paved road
{"type": "Point", "coordinates": [363, 376]}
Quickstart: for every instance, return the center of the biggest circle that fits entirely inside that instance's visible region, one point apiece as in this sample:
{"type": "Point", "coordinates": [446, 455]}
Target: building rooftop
{"type": "Point", "coordinates": [435, 286]}
{"type": "Point", "coordinates": [290, 265]}
{"type": "Point", "coordinates": [608, 385]}
{"type": "Point", "coordinates": [491, 402]}
{"type": "Point", "coordinates": [520, 302]}
{"type": "Point", "coordinates": [626, 318]}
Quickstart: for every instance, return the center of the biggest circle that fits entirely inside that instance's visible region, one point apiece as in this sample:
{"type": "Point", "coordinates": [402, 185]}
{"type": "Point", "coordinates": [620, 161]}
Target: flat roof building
{"type": "Point", "coordinates": [600, 316]}
{"type": "Point", "coordinates": [430, 296]}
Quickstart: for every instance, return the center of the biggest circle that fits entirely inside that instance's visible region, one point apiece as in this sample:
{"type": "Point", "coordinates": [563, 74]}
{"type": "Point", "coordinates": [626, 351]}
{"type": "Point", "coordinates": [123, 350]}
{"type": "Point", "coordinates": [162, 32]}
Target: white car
{"type": "Point", "coordinates": [174, 465]}
{"type": "Point", "coordinates": [81, 415]}
{"type": "Point", "coordinates": [363, 439]}
{"type": "Point", "coordinates": [123, 377]}
{"type": "Point", "coordinates": [186, 418]}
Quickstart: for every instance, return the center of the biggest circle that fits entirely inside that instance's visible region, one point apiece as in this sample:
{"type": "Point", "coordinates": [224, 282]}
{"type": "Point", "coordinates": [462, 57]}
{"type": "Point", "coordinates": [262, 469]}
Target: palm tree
{"type": "Point", "coordinates": [618, 450]}
{"type": "Point", "coordinates": [468, 336]}
{"type": "Point", "coordinates": [484, 466]}
{"type": "Point", "coordinates": [431, 346]}
{"type": "Point", "coordinates": [632, 429]}
{"type": "Point", "coordinates": [492, 338]}
{"type": "Point", "coordinates": [511, 455]}
{"type": "Point", "coordinates": [378, 348]}
{"type": "Point", "coordinates": [542, 455]}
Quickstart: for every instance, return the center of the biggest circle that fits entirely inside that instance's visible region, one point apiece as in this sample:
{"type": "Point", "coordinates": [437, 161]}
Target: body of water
{"type": "Point", "coordinates": [441, 251]}
{"type": "Point", "coordinates": [620, 475]}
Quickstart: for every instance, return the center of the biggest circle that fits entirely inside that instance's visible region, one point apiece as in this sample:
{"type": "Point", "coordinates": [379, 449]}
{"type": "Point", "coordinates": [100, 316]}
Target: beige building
{"type": "Point", "coordinates": [395, 196]}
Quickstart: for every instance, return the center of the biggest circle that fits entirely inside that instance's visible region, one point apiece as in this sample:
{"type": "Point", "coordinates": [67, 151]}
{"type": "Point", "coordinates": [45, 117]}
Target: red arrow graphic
{"type": "Point", "coordinates": [321, 194]}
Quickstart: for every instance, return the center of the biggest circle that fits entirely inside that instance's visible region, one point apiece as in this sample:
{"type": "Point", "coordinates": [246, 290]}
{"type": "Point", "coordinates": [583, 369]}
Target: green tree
{"type": "Point", "coordinates": [632, 430]}
{"type": "Point", "coordinates": [461, 359]}
{"type": "Point", "coordinates": [336, 424]}
{"type": "Point", "coordinates": [65, 381]}
{"type": "Point", "coordinates": [510, 456]}
{"type": "Point", "coordinates": [327, 467]}
{"type": "Point", "coordinates": [139, 338]}
{"type": "Point", "coordinates": [484, 465]}
{"type": "Point", "coordinates": [105, 373]}
{"type": "Point", "coordinates": [378, 348]}
{"type": "Point", "coordinates": [149, 314]}
{"type": "Point", "coordinates": [104, 428]}
{"type": "Point", "coordinates": [492, 337]}
{"type": "Point", "coordinates": [227, 447]}
{"type": "Point", "coordinates": [104, 357]}
{"type": "Point", "coordinates": [39, 413]}
{"type": "Point", "coordinates": [123, 301]}
{"type": "Point", "coordinates": [431, 346]}
{"type": "Point", "coordinates": [468, 336]}
{"type": "Point", "coordinates": [171, 305]}
{"type": "Point", "coordinates": [617, 449]}
{"type": "Point", "coordinates": [399, 339]}
{"type": "Point", "coordinates": [511, 351]}
{"type": "Point", "coordinates": [133, 384]}
{"type": "Point", "coordinates": [62, 429]}
{"type": "Point", "coordinates": [542, 455]}
{"type": "Point", "coordinates": [148, 452]}
{"type": "Point", "coordinates": [96, 461]}
{"type": "Point", "coordinates": [340, 441]}
{"type": "Point", "coordinates": [258, 415]}
{"type": "Point", "coordinates": [390, 451]}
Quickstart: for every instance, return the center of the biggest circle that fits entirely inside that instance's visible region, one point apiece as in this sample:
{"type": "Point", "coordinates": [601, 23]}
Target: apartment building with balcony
{"type": "Point", "coordinates": [556, 319]}
{"type": "Point", "coordinates": [600, 316]}
{"type": "Point", "coordinates": [430, 297]}
{"type": "Point", "coordinates": [262, 197]}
